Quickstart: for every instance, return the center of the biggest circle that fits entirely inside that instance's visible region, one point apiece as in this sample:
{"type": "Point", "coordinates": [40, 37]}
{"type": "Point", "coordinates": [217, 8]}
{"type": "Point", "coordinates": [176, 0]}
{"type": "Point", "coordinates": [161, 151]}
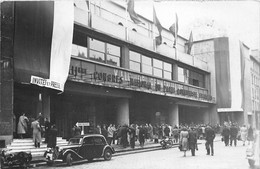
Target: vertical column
{"type": "Point", "coordinates": [122, 111]}
{"type": "Point", "coordinates": [175, 72]}
{"type": "Point", "coordinates": [173, 114]}
{"type": "Point", "coordinates": [125, 57]}
{"type": "Point", "coordinates": [6, 73]}
{"type": "Point", "coordinates": [46, 105]}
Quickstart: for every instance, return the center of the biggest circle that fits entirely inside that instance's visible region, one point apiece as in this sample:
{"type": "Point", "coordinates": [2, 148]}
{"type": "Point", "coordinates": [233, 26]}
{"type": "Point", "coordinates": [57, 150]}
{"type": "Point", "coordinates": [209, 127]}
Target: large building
{"type": "Point", "coordinates": [114, 70]}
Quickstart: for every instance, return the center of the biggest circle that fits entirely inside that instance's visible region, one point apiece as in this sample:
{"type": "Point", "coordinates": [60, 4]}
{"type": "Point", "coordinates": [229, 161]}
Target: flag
{"type": "Point", "coordinates": [174, 29]}
{"type": "Point", "coordinates": [157, 23]}
{"type": "Point", "coordinates": [190, 43]}
{"type": "Point", "coordinates": [131, 11]}
{"type": "Point", "coordinates": [242, 65]}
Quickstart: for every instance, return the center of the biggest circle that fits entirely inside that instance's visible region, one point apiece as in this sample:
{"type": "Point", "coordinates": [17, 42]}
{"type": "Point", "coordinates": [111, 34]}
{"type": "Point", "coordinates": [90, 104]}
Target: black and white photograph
{"type": "Point", "coordinates": [130, 84]}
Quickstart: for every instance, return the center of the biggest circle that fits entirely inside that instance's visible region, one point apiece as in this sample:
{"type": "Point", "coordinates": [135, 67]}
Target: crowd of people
{"type": "Point", "coordinates": [37, 128]}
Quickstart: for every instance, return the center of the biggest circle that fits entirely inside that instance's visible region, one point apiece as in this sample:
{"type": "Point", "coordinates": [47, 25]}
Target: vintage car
{"type": "Point", "coordinates": [79, 148]}
{"type": "Point", "coordinates": [11, 159]}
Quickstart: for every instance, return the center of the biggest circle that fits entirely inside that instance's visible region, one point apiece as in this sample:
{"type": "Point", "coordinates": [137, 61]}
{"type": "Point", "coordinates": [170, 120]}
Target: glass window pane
{"type": "Point", "coordinates": [79, 51]}
{"type": "Point", "coordinates": [157, 72]}
{"type": "Point", "coordinates": [180, 78]}
{"type": "Point", "coordinates": [167, 66]}
{"type": "Point", "coordinates": [112, 60]}
{"type": "Point", "coordinates": [147, 69]}
{"type": "Point", "coordinates": [113, 50]}
{"type": "Point", "coordinates": [180, 71]}
{"type": "Point", "coordinates": [97, 56]}
{"type": "Point", "coordinates": [79, 38]}
{"type": "Point", "coordinates": [134, 56]}
{"type": "Point", "coordinates": [135, 66]}
{"type": "Point", "coordinates": [167, 75]}
{"type": "Point", "coordinates": [157, 63]}
{"type": "Point", "coordinates": [146, 60]}
{"type": "Point", "coordinates": [97, 45]}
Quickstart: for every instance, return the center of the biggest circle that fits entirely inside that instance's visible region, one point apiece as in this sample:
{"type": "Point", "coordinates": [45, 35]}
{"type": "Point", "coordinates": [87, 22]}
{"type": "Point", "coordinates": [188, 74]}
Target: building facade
{"type": "Point", "coordinates": [117, 74]}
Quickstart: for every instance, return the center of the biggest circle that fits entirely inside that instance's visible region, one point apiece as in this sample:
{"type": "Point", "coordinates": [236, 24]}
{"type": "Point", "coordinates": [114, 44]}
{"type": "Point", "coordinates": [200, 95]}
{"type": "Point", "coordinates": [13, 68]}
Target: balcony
{"type": "Point", "coordinates": [108, 27]}
{"type": "Point", "coordinates": [140, 40]}
{"type": "Point", "coordinates": [166, 51]}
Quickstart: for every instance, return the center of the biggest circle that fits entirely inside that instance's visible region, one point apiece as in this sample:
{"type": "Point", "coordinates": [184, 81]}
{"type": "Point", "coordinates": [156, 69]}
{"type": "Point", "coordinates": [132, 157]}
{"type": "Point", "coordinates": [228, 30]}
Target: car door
{"type": "Point", "coordinates": [99, 146]}
{"type": "Point", "coordinates": [87, 148]}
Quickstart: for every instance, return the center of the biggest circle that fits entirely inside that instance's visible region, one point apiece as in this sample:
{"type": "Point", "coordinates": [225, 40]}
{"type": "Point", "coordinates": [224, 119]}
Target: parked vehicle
{"type": "Point", "coordinates": [252, 151]}
{"type": "Point", "coordinates": [79, 148]}
{"type": "Point", "coordinates": [12, 159]}
{"type": "Point", "coordinates": [166, 143]}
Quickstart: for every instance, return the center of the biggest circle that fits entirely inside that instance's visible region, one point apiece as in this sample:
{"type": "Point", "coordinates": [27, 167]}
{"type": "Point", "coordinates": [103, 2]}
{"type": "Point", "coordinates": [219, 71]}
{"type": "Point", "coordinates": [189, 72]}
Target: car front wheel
{"type": "Point", "coordinates": [69, 159]}
{"type": "Point", "coordinates": [107, 154]}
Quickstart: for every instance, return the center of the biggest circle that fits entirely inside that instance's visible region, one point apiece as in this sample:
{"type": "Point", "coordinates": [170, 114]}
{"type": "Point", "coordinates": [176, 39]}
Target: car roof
{"type": "Point", "coordinates": [88, 135]}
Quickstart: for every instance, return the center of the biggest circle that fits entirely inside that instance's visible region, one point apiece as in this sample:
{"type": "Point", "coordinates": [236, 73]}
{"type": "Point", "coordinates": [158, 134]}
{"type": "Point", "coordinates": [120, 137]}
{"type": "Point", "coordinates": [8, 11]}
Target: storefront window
{"type": "Point", "coordinates": [135, 61]}
{"type": "Point", "coordinates": [135, 66]}
{"type": "Point", "coordinates": [97, 45]}
{"type": "Point", "coordinates": [96, 56]}
{"type": "Point", "coordinates": [113, 60]}
{"type": "Point", "coordinates": [190, 77]}
{"type": "Point", "coordinates": [157, 72]}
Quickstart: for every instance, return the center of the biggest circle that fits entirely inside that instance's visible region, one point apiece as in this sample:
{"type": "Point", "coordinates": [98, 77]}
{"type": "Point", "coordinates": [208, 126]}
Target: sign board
{"type": "Point", "coordinates": [46, 83]}
{"type": "Point", "coordinates": [83, 124]}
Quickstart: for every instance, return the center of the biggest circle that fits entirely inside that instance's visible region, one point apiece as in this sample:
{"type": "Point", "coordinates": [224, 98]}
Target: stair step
{"type": "Point", "coordinates": [22, 146]}
{"type": "Point", "coordinates": [31, 143]}
{"type": "Point", "coordinates": [30, 140]}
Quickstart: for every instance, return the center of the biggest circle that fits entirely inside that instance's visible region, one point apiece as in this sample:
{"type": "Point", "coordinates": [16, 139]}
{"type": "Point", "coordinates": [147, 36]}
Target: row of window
{"type": "Point", "coordinates": [107, 53]}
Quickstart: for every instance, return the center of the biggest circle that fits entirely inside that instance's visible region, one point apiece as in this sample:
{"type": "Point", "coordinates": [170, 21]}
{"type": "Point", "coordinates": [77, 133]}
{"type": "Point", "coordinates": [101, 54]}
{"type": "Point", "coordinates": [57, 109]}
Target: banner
{"type": "Point", "coordinates": [61, 41]}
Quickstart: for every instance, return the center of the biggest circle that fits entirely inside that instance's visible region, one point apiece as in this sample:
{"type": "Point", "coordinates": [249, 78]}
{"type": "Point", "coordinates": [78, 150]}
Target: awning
{"type": "Point", "coordinates": [230, 110]}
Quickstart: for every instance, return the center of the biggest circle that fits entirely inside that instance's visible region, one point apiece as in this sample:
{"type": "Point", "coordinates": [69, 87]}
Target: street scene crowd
{"type": "Point", "coordinates": [186, 135]}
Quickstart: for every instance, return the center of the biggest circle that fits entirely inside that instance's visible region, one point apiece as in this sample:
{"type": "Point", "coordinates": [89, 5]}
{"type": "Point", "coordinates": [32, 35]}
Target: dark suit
{"type": "Point", "coordinates": [209, 136]}
{"type": "Point", "coordinates": [192, 141]}
{"type": "Point", "coordinates": [233, 135]}
{"type": "Point", "coordinates": [225, 134]}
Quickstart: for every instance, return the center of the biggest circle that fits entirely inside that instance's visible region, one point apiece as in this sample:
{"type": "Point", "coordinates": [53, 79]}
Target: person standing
{"type": "Point", "coordinates": [131, 131]}
{"type": "Point", "coordinates": [167, 131]}
{"type": "Point", "coordinates": [193, 140]}
{"type": "Point", "coordinates": [47, 127]}
{"type": "Point", "coordinates": [36, 133]}
{"type": "Point", "coordinates": [233, 134]}
{"type": "Point", "coordinates": [22, 125]}
{"type": "Point", "coordinates": [250, 134]}
{"type": "Point", "coordinates": [52, 140]}
{"type": "Point", "coordinates": [104, 131]}
{"type": "Point", "coordinates": [110, 133]}
{"type": "Point", "coordinates": [225, 134]}
{"type": "Point", "coordinates": [184, 135]}
{"type": "Point", "coordinates": [209, 136]}
{"type": "Point", "coordinates": [141, 135]}
{"type": "Point", "coordinates": [243, 132]}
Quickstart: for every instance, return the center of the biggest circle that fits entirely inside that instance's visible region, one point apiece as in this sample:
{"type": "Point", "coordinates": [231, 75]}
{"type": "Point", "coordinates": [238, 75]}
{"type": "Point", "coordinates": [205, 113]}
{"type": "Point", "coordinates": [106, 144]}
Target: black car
{"type": "Point", "coordinates": [81, 147]}
{"type": "Point", "coordinates": [11, 159]}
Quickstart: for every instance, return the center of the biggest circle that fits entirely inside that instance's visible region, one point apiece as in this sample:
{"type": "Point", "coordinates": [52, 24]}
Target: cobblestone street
{"type": "Point", "coordinates": [224, 158]}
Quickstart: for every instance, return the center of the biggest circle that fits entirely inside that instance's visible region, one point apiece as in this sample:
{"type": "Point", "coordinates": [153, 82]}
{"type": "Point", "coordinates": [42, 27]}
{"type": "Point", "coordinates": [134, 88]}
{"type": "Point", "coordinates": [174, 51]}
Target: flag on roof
{"type": "Point", "coordinates": [190, 43]}
{"type": "Point", "coordinates": [159, 27]}
{"type": "Point", "coordinates": [131, 11]}
{"type": "Point", "coordinates": [174, 29]}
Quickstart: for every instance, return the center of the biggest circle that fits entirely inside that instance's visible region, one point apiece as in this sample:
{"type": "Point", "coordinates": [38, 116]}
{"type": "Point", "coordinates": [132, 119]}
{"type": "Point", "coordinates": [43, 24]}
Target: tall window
{"type": "Point", "coordinates": [190, 77]}
{"type": "Point", "coordinates": [98, 51]}
{"type": "Point", "coordinates": [135, 61]}
{"type": "Point", "coordinates": [150, 66]}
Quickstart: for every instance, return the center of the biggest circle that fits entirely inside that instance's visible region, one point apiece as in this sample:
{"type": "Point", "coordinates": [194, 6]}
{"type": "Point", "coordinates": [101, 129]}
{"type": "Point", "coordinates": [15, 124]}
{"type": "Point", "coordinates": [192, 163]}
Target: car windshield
{"type": "Point", "coordinates": [75, 141]}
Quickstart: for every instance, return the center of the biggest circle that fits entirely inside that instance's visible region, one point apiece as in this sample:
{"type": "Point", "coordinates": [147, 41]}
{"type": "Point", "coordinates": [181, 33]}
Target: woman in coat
{"type": "Point", "coordinates": [184, 135]}
{"type": "Point", "coordinates": [36, 133]}
{"type": "Point", "coordinates": [22, 125]}
{"type": "Point", "coordinates": [243, 132]}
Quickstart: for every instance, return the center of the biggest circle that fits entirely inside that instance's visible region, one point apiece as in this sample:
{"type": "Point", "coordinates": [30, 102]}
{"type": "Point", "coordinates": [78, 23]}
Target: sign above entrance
{"type": "Point", "coordinates": [83, 124]}
{"type": "Point", "coordinates": [46, 83]}
{"type": "Point", "coordinates": [98, 74]}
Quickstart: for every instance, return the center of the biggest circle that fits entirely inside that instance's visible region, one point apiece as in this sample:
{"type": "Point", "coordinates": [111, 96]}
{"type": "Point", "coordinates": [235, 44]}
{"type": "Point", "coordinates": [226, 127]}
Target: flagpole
{"type": "Point", "coordinates": [126, 22]}
{"type": "Point", "coordinates": [176, 36]}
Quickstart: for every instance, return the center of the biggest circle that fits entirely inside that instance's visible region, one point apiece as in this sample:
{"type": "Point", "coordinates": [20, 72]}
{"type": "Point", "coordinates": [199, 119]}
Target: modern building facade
{"type": "Point", "coordinates": [116, 74]}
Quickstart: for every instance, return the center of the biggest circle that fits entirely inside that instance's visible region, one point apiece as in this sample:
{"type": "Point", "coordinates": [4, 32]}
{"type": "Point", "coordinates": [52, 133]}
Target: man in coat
{"type": "Point", "coordinates": [131, 131]}
{"type": "Point", "coordinates": [141, 135]}
{"type": "Point", "coordinates": [52, 140]}
{"type": "Point", "coordinates": [22, 125]}
{"type": "Point", "coordinates": [192, 140]}
{"type": "Point", "coordinates": [225, 135]}
{"type": "Point", "coordinates": [209, 136]}
{"type": "Point", "coordinates": [233, 134]}
{"type": "Point", "coordinates": [36, 133]}
{"type": "Point", "coordinates": [47, 127]}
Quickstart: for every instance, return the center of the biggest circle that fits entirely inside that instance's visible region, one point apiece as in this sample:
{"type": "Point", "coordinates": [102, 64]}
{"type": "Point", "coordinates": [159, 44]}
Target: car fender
{"type": "Point", "coordinates": [108, 147]}
{"type": "Point", "coordinates": [73, 153]}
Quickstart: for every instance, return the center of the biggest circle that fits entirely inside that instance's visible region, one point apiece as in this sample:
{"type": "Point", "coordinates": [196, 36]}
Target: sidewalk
{"type": "Point", "coordinates": [148, 146]}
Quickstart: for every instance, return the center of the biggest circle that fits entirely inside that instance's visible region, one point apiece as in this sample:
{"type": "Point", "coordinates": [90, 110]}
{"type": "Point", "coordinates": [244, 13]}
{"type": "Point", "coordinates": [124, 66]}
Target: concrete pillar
{"type": "Point", "coordinates": [175, 72]}
{"type": "Point", "coordinates": [122, 116]}
{"type": "Point", "coordinates": [46, 105]}
{"type": "Point", "coordinates": [173, 114]}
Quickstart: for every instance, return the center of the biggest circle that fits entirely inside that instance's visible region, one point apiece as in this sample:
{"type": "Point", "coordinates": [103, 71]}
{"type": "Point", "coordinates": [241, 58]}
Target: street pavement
{"type": "Point", "coordinates": [224, 158]}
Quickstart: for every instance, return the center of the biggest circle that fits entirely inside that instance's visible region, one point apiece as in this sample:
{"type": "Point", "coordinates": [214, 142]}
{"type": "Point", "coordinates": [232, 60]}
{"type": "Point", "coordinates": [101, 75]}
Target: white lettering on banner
{"type": "Point", "coordinates": [46, 83]}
